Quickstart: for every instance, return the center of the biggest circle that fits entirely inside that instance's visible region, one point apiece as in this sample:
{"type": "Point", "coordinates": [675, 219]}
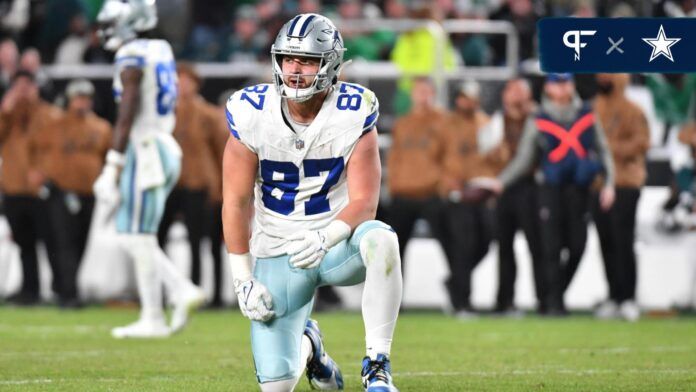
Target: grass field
{"type": "Point", "coordinates": [46, 349]}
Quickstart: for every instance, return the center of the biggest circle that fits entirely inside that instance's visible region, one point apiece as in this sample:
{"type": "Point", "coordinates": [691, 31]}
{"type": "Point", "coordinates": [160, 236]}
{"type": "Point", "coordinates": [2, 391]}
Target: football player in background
{"type": "Point", "coordinates": [305, 151]}
{"type": "Point", "coordinates": [143, 163]}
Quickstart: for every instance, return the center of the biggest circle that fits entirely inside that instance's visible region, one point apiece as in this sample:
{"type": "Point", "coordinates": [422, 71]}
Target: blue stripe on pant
{"type": "Point", "coordinates": [141, 211]}
{"type": "Point", "coordinates": [276, 344]}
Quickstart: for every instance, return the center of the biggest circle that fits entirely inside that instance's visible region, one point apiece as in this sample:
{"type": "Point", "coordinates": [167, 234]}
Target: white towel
{"type": "Point", "coordinates": [150, 173]}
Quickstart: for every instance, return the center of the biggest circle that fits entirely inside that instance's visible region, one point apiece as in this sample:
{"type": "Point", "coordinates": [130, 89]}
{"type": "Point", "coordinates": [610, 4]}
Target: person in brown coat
{"type": "Point", "coordinates": [68, 157]}
{"type": "Point", "coordinates": [197, 122]}
{"type": "Point", "coordinates": [23, 114]}
{"type": "Point", "coordinates": [467, 221]}
{"type": "Point", "coordinates": [414, 166]}
{"type": "Point", "coordinates": [499, 141]}
{"type": "Point", "coordinates": [628, 136]}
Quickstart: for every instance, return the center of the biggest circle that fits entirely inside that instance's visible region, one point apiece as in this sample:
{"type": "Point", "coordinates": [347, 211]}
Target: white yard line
{"type": "Point", "coordinates": [24, 382]}
{"type": "Point", "coordinates": [41, 354]}
{"type": "Point", "coordinates": [45, 329]}
{"type": "Point", "coordinates": [623, 350]}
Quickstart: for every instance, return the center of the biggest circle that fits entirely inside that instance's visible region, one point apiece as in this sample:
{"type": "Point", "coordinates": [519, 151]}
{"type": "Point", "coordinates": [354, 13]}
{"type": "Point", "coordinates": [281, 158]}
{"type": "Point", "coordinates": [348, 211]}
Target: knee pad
{"type": "Point", "coordinates": [380, 246]}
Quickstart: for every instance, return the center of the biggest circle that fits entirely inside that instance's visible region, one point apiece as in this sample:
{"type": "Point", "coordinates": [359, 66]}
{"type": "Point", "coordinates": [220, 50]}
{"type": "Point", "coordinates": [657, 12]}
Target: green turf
{"type": "Point", "coordinates": [46, 349]}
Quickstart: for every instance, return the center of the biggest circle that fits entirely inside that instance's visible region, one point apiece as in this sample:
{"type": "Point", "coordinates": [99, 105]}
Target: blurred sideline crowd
{"type": "Point", "coordinates": [51, 157]}
{"type": "Point", "coordinates": [65, 32]}
{"type": "Point", "coordinates": [546, 157]}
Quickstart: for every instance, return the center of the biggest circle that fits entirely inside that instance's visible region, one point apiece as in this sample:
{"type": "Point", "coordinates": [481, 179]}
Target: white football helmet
{"type": "Point", "coordinates": [310, 35]}
{"type": "Point", "coordinates": [121, 20]}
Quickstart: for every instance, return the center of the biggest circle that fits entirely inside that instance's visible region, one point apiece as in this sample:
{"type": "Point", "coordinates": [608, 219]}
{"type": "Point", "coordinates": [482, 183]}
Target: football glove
{"type": "Point", "coordinates": [255, 301]}
{"type": "Point", "coordinates": [307, 248]}
{"type": "Point", "coordinates": [106, 186]}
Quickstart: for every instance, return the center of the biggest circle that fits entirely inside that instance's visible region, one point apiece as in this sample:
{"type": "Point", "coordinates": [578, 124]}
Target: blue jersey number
{"type": "Point", "coordinates": [289, 179]}
{"type": "Point", "coordinates": [347, 100]}
{"type": "Point", "coordinates": [259, 90]}
{"type": "Point", "coordinates": [166, 87]}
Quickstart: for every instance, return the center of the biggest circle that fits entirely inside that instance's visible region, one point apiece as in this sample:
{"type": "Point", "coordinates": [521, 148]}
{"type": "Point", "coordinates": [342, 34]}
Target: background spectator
{"type": "Point", "coordinates": [524, 16]}
{"type": "Point", "coordinates": [567, 175]}
{"type": "Point", "coordinates": [468, 221]}
{"type": "Point", "coordinates": [73, 47]}
{"type": "Point", "coordinates": [56, 24]}
{"type": "Point", "coordinates": [499, 142]}
{"type": "Point", "coordinates": [627, 132]}
{"type": "Point", "coordinates": [368, 46]}
{"type": "Point", "coordinates": [69, 155]}
{"type": "Point", "coordinates": [23, 115]}
{"type": "Point", "coordinates": [9, 61]}
{"type": "Point", "coordinates": [417, 148]}
{"type": "Point", "coordinates": [246, 42]}
{"type": "Point", "coordinates": [414, 55]}
{"type": "Point", "coordinates": [31, 62]}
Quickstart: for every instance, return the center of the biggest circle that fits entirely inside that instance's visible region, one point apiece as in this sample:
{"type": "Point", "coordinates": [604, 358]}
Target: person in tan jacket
{"type": "Point", "coordinates": [514, 207]}
{"type": "Point", "coordinates": [467, 222]}
{"type": "Point", "coordinates": [22, 115]}
{"type": "Point", "coordinates": [414, 166]}
{"type": "Point", "coordinates": [628, 136]}
{"type": "Point", "coordinates": [197, 122]}
{"type": "Point", "coordinates": [68, 157]}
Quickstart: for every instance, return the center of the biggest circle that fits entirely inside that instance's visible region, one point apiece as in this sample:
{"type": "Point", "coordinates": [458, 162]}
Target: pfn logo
{"type": "Point", "coordinates": [576, 44]}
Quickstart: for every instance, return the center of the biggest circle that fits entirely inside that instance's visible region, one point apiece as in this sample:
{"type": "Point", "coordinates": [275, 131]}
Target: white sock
{"type": "Point", "coordinates": [174, 280]}
{"type": "Point", "coordinates": [381, 298]}
{"type": "Point", "coordinates": [149, 281]}
{"type": "Point", "coordinates": [278, 386]}
{"type": "Point", "coordinates": [289, 385]}
{"type": "Point", "coordinates": [305, 352]}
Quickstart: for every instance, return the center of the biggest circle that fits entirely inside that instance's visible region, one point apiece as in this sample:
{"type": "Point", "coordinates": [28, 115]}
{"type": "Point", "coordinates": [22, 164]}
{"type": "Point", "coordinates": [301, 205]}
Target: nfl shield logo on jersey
{"type": "Point", "coordinates": [299, 144]}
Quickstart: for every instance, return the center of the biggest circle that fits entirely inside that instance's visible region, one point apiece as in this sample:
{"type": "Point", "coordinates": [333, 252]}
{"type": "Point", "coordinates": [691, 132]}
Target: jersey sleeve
{"type": "Point", "coordinates": [133, 54]}
{"type": "Point", "coordinates": [240, 121]}
{"type": "Point", "coordinates": [370, 109]}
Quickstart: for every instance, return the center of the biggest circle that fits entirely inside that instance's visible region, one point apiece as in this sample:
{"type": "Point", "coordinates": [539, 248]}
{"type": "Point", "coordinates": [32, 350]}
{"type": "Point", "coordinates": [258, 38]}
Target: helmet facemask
{"type": "Point", "coordinates": [313, 36]}
{"type": "Point", "coordinates": [319, 82]}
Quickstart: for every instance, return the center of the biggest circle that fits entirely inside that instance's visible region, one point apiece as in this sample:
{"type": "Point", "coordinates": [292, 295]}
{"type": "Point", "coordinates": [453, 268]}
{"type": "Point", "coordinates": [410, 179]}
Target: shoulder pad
{"type": "Point", "coordinates": [132, 54]}
{"type": "Point", "coordinates": [242, 110]}
{"type": "Point", "coordinates": [354, 97]}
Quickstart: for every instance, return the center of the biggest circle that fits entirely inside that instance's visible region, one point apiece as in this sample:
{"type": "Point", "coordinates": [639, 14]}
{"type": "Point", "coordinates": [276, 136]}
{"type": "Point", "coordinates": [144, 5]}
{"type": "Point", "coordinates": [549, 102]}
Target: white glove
{"type": "Point", "coordinates": [106, 186]}
{"type": "Point", "coordinates": [255, 301]}
{"type": "Point", "coordinates": [307, 248]}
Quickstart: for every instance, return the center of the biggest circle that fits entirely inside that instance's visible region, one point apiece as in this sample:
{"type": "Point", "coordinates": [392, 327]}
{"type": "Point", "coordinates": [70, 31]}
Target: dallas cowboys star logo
{"type": "Point", "coordinates": [661, 45]}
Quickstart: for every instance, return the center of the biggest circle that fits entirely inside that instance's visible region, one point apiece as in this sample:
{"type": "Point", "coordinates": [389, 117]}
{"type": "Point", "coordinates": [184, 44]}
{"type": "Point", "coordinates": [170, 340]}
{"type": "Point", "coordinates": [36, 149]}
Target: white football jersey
{"type": "Point", "coordinates": [158, 87]}
{"type": "Point", "coordinates": [301, 182]}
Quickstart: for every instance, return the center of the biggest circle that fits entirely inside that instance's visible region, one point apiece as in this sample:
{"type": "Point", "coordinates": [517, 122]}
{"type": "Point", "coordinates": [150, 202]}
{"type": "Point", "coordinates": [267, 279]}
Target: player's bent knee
{"type": "Point", "coordinates": [380, 247]}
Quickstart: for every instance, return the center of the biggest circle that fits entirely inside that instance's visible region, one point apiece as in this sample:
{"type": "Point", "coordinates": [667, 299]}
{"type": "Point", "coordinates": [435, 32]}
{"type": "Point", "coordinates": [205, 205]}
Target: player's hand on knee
{"type": "Point", "coordinates": [255, 301]}
{"type": "Point", "coordinates": [307, 248]}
